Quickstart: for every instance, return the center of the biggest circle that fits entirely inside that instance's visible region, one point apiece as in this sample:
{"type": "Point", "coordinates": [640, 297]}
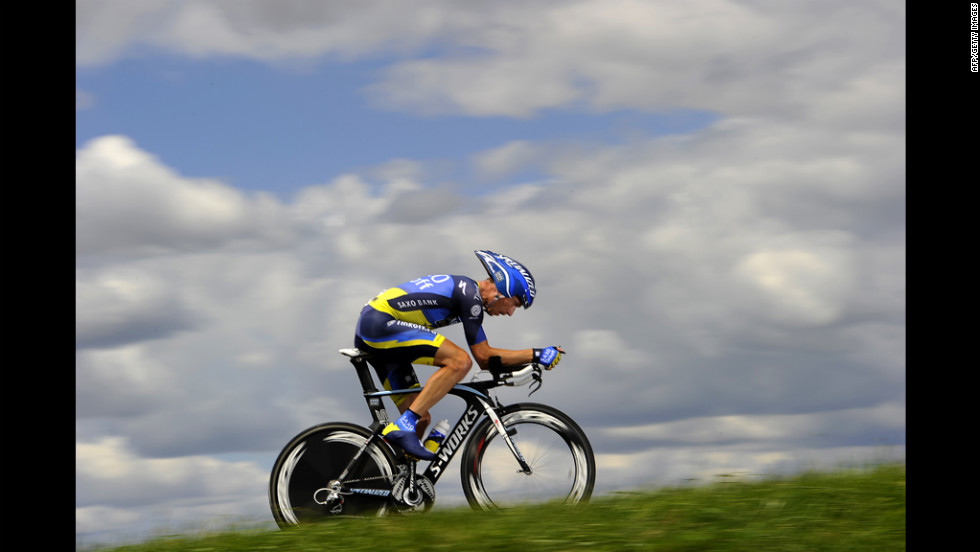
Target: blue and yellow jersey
{"type": "Point", "coordinates": [435, 301]}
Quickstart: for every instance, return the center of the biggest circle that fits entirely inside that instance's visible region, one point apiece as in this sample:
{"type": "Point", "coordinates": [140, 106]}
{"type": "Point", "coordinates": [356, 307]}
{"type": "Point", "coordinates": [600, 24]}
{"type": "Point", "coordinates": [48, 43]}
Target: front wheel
{"type": "Point", "coordinates": [304, 470]}
{"type": "Point", "coordinates": [562, 465]}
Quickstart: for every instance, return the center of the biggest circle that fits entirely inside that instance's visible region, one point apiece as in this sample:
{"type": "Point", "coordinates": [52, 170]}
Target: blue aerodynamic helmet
{"type": "Point", "coordinates": [511, 277]}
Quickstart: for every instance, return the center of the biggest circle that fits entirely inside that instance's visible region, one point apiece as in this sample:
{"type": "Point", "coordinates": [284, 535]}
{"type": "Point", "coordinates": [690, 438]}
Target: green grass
{"type": "Point", "coordinates": [854, 510]}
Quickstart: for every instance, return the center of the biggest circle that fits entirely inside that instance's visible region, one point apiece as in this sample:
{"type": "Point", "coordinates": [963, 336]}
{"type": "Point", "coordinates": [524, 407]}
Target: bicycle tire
{"type": "Point", "coordinates": [317, 456]}
{"type": "Point", "coordinates": [555, 447]}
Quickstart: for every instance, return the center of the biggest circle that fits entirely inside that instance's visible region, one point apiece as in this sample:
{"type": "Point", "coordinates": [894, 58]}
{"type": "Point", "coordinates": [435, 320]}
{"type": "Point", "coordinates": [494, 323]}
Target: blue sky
{"type": "Point", "coordinates": [260, 127]}
{"type": "Point", "coordinates": [711, 196]}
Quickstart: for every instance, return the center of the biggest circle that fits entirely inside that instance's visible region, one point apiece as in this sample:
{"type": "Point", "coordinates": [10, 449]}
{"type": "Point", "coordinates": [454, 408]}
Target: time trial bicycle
{"type": "Point", "coordinates": [516, 454]}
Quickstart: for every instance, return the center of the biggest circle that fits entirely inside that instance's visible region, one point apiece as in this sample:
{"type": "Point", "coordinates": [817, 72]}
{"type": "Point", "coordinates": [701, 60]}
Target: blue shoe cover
{"type": "Point", "coordinates": [402, 434]}
{"type": "Point", "coordinates": [409, 441]}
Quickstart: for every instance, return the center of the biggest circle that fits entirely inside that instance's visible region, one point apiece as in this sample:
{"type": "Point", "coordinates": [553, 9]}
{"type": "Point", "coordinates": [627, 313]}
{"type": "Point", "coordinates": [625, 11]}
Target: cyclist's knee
{"type": "Point", "coordinates": [453, 358]}
{"type": "Point", "coordinates": [459, 363]}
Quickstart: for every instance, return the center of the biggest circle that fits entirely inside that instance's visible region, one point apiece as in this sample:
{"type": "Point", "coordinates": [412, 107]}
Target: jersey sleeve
{"type": "Point", "coordinates": [467, 293]}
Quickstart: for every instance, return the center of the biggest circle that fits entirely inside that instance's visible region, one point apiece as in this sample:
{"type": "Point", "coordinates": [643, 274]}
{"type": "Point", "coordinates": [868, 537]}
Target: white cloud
{"type": "Point", "coordinates": [126, 200]}
{"type": "Point", "coordinates": [819, 60]}
{"type": "Point", "coordinates": [505, 159]}
{"type": "Point", "coordinates": [107, 30]}
{"type": "Point", "coordinates": [767, 428]}
{"type": "Point", "coordinates": [127, 304]}
{"type": "Point", "coordinates": [718, 448]}
{"type": "Point", "coordinates": [108, 473]}
{"type": "Point", "coordinates": [122, 381]}
{"type": "Point", "coordinates": [657, 55]}
{"type": "Point", "coordinates": [801, 286]}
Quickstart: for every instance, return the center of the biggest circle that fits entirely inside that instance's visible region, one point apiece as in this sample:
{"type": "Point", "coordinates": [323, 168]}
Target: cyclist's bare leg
{"type": "Point", "coordinates": [454, 363]}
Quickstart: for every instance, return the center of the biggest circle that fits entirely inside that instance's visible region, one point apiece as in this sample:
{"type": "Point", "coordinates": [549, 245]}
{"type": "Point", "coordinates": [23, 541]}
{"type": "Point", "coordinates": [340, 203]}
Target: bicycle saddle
{"type": "Point", "coordinates": [355, 353]}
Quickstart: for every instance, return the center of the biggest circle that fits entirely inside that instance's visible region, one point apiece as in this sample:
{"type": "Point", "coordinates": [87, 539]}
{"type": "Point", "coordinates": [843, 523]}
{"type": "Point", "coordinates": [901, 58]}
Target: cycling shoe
{"type": "Point", "coordinates": [408, 441]}
{"type": "Point", "coordinates": [402, 433]}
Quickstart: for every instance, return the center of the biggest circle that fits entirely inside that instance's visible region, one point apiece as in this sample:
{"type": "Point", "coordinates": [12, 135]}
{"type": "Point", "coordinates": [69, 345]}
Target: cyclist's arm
{"type": "Point", "coordinates": [482, 352]}
{"type": "Point", "coordinates": [467, 293]}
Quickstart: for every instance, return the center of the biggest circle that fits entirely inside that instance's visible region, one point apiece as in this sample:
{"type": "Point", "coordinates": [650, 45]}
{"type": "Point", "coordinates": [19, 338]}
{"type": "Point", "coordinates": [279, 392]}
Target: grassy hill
{"type": "Point", "coordinates": [856, 510]}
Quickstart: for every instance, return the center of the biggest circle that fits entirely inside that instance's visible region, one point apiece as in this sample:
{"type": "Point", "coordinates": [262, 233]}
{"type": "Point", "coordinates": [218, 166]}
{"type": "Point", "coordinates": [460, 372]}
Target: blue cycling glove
{"type": "Point", "coordinates": [547, 358]}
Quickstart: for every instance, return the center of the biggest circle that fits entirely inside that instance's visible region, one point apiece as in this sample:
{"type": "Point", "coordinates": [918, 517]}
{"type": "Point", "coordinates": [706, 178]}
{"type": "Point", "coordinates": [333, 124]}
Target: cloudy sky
{"type": "Point", "coordinates": [710, 194]}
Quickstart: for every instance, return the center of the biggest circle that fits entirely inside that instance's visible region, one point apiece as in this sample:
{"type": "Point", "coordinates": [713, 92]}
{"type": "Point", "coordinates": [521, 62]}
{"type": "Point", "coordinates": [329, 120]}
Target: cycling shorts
{"type": "Point", "coordinates": [395, 346]}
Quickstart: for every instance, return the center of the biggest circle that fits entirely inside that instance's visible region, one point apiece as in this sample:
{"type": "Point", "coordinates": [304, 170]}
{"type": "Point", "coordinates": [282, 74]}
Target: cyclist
{"type": "Point", "coordinates": [397, 325]}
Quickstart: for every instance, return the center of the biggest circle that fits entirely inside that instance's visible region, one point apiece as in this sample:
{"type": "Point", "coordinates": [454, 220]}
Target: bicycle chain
{"type": "Point", "coordinates": [402, 471]}
{"type": "Point", "coordinates": [373, 478]}
{"type": "Point", "coordinates": [335, 490]}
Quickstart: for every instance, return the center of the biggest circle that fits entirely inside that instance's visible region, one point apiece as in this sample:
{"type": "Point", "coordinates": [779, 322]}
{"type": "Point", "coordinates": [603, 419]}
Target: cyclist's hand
{"type": "Point", "coordinates": [547, 358]}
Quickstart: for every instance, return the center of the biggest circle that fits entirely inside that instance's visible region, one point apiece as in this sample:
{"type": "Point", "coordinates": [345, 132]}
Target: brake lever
{"type": "Point", "coordinates": [536, 384]}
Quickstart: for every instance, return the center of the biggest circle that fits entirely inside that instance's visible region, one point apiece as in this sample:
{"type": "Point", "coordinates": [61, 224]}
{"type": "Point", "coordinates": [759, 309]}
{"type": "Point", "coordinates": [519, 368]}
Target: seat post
{"type": "Point", "coordinates": [364, 375]}
{"type": "Point", "coordinates": [378, 412]}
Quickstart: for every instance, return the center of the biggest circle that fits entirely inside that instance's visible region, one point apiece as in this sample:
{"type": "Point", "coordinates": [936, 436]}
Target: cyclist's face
{"type": "Point", "coordinates": [503, 305]}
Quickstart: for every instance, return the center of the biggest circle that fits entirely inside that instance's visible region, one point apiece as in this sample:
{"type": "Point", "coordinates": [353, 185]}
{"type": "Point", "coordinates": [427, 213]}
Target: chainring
{"type": "Point", "coordinates": [421, 501]}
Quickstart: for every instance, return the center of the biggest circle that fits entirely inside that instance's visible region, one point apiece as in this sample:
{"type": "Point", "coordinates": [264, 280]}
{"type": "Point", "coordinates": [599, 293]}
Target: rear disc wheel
{"type": "Point", "coordinates": [316, 457]}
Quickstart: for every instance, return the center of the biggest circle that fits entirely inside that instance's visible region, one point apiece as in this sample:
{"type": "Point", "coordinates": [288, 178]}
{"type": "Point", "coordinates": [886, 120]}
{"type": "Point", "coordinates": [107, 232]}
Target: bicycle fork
{"type": "Point", "coordinates": [506, 435]}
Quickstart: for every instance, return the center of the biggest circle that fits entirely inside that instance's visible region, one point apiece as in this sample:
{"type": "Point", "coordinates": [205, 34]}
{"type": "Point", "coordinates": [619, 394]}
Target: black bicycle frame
{"type": "Point", "coordinates": [474, 394]}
